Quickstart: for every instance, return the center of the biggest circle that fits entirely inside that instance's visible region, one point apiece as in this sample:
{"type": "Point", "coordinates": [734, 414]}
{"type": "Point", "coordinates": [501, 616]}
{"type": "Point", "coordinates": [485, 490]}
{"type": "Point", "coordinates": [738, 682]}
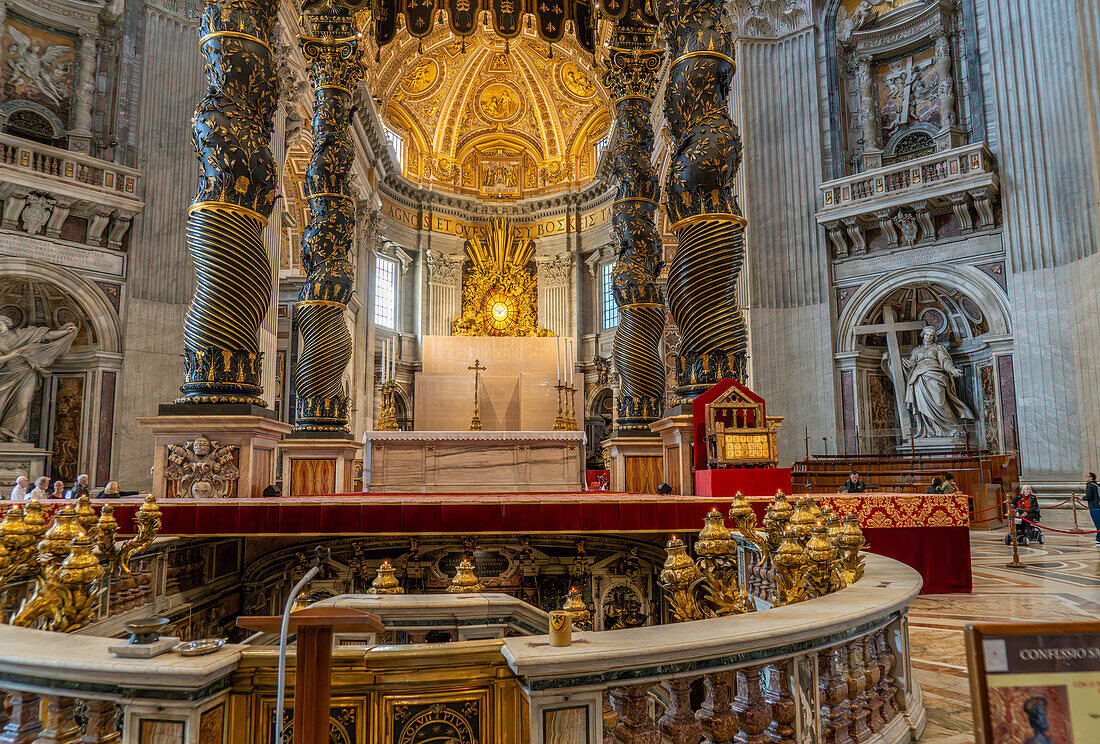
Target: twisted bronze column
{"type": "Point", "coordinates": [335, 64]}
{"type": "Point", "coordinates": [631, 77]}
{"type": "Point", "coordinates": [710, 231]}
{"type": "Point", "coordinates": [236, 191]}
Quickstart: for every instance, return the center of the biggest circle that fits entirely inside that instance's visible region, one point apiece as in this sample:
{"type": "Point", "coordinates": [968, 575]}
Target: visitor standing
{"type": "Point", "coordinates": [58, 490]}
{"type": "Point", "coordinates": [948, 485]}
{"type": "Point", "coordinates": [80, 488]}
{"type": "Point", "coordinates": [19, 490]}
{"type": "Point", "coordinates": [41, 486]}
{"type": "Point", "coordinates": [1092, 498]}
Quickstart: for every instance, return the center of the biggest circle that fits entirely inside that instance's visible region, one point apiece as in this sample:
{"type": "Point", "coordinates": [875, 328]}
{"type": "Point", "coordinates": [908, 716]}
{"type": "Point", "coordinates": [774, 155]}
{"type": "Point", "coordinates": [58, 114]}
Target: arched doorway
{"type": "Point", "coordinates": [72, 416]}
{"type": "Point", "coordinates": [598, 422]}
{"type": "Point", "coordinates": [968, 315]}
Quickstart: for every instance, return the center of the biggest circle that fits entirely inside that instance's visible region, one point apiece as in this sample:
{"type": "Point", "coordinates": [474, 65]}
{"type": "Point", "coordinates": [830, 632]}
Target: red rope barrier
{"type": "Point", "coordinates": [1064, 532]}
{"type": "Point", "coordinates": [983, 511]}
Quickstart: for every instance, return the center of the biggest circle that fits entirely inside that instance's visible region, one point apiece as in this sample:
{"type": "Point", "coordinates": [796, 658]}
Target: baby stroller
{"type": "Point", "coordinates": [1026, 532]}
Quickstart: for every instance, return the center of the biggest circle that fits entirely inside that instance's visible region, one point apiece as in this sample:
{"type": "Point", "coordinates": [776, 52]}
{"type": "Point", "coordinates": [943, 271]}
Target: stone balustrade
{"type": "Point", "coordinates": [837, 665]}
{"type": "Point", "coordinates": [917, 201]}
{"type": "Point", "coordinates": [42, 186]}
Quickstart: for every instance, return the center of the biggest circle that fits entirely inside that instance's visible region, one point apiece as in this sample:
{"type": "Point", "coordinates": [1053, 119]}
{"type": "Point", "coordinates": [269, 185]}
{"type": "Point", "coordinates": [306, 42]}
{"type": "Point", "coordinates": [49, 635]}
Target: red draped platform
{"type": "Point", "coordinates": [926, 531]}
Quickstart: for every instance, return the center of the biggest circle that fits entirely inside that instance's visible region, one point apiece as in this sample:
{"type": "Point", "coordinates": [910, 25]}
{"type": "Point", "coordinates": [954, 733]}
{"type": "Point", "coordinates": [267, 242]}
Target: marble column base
{"type": "Point", "coordinates": [318, 466]}
{"type": "Point", "coordinates": [636, 463]}
{"type": "Point", "coordinates": [677, 437]}
{"type": "Point", "coordinates": [254, 436]}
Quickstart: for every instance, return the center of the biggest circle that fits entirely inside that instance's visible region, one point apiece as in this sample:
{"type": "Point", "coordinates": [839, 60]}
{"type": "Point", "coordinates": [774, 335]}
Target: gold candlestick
{"type": "Point", "coordinates": [388, 420]}
{"type": "Point", "coordinates": [475, 422]}
{"type": "Point", "coordinates": [561, 422]}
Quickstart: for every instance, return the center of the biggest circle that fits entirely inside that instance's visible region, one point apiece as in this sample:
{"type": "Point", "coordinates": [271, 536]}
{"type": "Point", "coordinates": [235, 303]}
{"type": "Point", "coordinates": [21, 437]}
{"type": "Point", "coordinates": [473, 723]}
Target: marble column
{"type": "Point", "coordinates": [80, 136]}
{"type": "Point", "coordinates": [1044, 53]}
{"type": "Point", "coordinates": [334, 57]}
{"type": "Point", "coordinates": [232, 133]}
{"type": "Point", "coordinates": [631, 78]}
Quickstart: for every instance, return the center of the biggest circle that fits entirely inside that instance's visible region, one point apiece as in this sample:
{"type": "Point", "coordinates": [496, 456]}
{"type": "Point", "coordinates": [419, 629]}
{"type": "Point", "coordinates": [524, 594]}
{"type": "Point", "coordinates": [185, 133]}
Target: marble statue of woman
{"type": "Point", "coordinates": [24, 355]}
{"type": "Point", "coordinates": [930, 389]}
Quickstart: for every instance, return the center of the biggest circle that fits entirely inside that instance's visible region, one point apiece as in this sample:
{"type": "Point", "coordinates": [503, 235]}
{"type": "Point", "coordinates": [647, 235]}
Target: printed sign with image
{"type": "Point", "coordinates": [1035, 683]}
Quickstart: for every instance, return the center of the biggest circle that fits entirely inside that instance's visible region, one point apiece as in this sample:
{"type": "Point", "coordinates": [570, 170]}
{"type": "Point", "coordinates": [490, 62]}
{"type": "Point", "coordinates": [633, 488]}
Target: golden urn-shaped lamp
{"type": "Point", "coordinates": [55, 544]}
{"type": "Point", "coordinates": [385, 582]}
{"type": "Point", "coordinates": [849, 542]}
{"type": "Point", "coordinates": [790, 566]}
{"type": "Point", "coordinates": [776, 517]}
{"type": "Point", "coordinates": [35, 517]}
{"type": "Point", "coordinates": [802, 521]}
{"type": "Point", "coordinates": [465, 580]}
{"type": "Point", "coordinates": [678, 577]}
{"type": "Point", "coordinates": [577, 609]}
{"type": "Point", "coordinates": [85, 515]}
{"type": "Point", "coordinates": [822, 558]}
{"type": "Point", "coordinates": [714, 540]}
{"type": "Point", "coordinates": [19, 539]}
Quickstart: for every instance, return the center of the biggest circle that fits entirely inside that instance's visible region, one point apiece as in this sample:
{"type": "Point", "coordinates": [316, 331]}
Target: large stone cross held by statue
{"type": "Point", "coordinates": [891, 327]}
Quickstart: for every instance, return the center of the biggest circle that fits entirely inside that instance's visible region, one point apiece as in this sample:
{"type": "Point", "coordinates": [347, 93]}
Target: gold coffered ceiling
{"type": "Point", "coordinates": [492, 120]}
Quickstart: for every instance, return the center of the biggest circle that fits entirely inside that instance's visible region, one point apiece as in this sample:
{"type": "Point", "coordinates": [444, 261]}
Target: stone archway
{"type": "Point", "coordinates": [969, 313]}
{"type": "Point", "coordinates": [73, 413]}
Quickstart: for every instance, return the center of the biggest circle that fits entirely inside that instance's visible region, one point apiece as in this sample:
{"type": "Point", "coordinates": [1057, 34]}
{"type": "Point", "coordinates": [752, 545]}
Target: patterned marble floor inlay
{"type": "Point", "coordinates": [1060, 582]}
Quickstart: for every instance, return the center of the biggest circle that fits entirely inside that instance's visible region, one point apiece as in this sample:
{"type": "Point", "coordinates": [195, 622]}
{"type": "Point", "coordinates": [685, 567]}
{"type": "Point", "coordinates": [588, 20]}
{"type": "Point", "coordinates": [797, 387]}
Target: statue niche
{"type": "Point", "coordinates": [499, 288]}
{"type": "Point", "coordinates": [25, 353]}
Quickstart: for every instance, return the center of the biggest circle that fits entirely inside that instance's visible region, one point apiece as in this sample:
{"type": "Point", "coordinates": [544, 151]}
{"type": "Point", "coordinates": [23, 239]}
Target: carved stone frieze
{"type": "Point", "coordinates": [202, 469]}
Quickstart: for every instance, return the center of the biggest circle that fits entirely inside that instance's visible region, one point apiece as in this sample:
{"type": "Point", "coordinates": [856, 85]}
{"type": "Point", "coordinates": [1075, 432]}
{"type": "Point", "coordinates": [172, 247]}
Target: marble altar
{"type": "Point", "coordinates": [488, 461]}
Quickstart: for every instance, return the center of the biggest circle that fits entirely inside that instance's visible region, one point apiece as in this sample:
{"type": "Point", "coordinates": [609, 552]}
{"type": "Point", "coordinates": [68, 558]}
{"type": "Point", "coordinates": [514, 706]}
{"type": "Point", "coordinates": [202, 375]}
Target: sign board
{"type": "Point", "coordinates": [1035, 683]}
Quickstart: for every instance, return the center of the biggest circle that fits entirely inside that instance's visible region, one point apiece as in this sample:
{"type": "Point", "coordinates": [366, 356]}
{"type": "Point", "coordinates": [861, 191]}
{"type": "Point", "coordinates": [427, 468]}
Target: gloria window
{"type": "Point", "coordinates": [385, 292]}
{"type": "Point", "coordinates": [609, 310]}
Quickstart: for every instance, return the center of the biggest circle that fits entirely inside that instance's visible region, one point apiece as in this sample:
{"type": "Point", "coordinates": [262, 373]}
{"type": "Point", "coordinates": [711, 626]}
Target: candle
{"type": "Point", "coordinates": [393, 360]}
{"type": "Point", "coordinates": [569, 362]}
{"type": "Point", "coordinates": [557, 357]}
{"type": "Point", "coordinates": [382, 367]}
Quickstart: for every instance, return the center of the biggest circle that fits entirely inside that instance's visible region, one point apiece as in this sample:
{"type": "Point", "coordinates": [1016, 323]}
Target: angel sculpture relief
{"type": "Point", "coordinates": [202, 469]}
{"type": "Point", "coordinates": [36, 69]}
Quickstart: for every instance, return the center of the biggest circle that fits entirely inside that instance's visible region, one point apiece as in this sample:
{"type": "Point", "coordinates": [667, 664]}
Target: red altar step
{"type": "Point", "coordinates": [926, 531]}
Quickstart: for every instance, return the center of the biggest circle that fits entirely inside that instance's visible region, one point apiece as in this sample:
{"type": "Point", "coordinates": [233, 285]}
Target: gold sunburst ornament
{"type": "Point", "coordinates": [500, 291]}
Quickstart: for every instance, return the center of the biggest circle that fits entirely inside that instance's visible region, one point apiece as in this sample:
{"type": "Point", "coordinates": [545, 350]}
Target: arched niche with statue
{"type": "Point", "coordinates": [925, 364]}
{"type": "Point", "coordinates": [67, 428]}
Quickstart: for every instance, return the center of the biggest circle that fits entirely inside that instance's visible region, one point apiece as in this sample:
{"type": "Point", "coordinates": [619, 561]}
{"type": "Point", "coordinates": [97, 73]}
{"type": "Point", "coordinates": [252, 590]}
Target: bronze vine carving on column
{"type": "Point", "coordinates": [709, 228]}
{"type": "Point", "coordinates": [236, 191]}
{"type": "Point", "coordinates": [334, 57]}
{"type": "Point", "coordinates": [631, 77]}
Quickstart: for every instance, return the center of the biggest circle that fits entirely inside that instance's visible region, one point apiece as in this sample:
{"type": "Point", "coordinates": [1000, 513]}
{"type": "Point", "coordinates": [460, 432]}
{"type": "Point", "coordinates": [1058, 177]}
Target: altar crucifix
{"type": "Point", "coordinates": [891, 327]}
{"type": "Point", "coordinates": [475, 422]}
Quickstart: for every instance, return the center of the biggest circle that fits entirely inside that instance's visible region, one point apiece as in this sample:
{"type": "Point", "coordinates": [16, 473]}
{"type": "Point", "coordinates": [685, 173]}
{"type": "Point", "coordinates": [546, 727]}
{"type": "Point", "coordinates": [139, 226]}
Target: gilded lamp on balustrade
{"type": "Point", "coordinates": [62, 558]}
{"type": "Point", "coordinates": [805, 550]}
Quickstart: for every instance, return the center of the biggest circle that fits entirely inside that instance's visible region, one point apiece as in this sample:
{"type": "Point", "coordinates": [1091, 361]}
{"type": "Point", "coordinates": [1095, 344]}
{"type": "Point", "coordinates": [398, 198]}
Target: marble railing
{"type": "Point", "coordinates": [42, 186]}
{"type": "Point", "coordinates": [836, 665]}
{"type": "Point", "coordinates": [903, 204]}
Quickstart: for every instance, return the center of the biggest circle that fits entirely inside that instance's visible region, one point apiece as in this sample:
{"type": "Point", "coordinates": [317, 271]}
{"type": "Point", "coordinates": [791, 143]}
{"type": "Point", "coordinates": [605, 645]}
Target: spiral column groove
{"type": "Point", "coordinates": [631, 77]}
{"type": "Point", "coordinates": [236, 191]}
{"type": "Point", "coordinates": [709, 228]}
{"type": "Point", "coordinates": [334, 57]}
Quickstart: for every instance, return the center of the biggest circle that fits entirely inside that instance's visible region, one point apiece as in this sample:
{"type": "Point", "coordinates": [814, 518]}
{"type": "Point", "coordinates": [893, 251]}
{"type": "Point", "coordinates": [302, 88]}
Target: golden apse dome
{"type": "Point", "coordinates": [490, 119]}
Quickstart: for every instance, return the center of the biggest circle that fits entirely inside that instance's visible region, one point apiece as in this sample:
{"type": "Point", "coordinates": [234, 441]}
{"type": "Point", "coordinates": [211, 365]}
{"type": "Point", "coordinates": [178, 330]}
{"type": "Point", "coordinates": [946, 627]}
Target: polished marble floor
{"type": "Point", "coordinates": [1061, 581]}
